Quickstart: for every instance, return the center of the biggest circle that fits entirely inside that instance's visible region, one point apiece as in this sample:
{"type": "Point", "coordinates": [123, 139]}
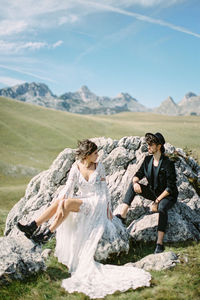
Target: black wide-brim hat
{"type": "Point", "coordinates": [158, 136]}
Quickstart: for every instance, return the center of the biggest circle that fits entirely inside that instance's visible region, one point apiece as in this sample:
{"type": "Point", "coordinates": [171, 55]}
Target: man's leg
{"type": "Point", "coordinates": [163, 207]}
{"type": "Point", "coordinates": [130, 194]}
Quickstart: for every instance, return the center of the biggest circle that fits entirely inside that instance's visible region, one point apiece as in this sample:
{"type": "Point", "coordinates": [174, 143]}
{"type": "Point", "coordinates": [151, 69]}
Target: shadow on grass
{"type": "Point", "coordinates": [136, 252]}
{"type": "Point", "coordinates": [55, 273]}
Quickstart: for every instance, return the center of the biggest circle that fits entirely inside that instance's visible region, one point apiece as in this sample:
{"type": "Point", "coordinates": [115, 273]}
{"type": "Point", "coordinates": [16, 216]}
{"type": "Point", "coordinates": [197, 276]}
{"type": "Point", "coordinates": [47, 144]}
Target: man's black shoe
{"type": "Point", "coordinates": [159, 248]}
{"type": "Point", "coordinates": [43, 237]}
{"type": "Point", "coordinates": [121, 218]}
{"type": "Point", "coordinates": [27, 229]}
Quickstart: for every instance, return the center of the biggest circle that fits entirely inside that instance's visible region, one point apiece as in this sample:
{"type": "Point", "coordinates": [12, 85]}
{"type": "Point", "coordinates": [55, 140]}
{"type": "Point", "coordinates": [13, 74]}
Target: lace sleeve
{"type": "Point", "coordinates": [69, 186]}
{"type": "Point", "coordinates": [104, 184]}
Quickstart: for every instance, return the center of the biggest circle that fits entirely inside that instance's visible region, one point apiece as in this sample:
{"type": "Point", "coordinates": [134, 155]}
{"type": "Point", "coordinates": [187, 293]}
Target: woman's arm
{"type": "Point", "coordinates": [69, 186]}
{"type": "Point", "coordinates": [104, 185]}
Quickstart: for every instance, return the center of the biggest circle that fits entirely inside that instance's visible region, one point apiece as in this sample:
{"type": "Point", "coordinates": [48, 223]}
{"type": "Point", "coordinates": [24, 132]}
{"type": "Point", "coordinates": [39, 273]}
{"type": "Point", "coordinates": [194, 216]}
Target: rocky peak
{"type": "Point", "coordinates": [126, 97]}
{"type": "Point", "coordinates": [168, 107]}
{"type": "Point", "coordinates": [190, 94]}
{"type": "Point", "coordinates": [86, 95]}
{"type": "Point", "coordinates": [169, 100]}
{"type": "Point", "coordinates": [32, 89]}
{"type": "Point", "coordinates": [84, 89]}
{"type": "Point", "coordinates": [187, 98]}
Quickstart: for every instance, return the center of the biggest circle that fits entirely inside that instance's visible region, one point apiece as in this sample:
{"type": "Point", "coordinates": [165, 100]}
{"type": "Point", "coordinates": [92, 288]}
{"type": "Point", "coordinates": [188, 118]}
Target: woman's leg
{"type": "Point", "coordinates": [30, 228]}
{"type": "Point", "coordinates": [48, 213]}
{"type": "Point", "coordinates": [70, 205]}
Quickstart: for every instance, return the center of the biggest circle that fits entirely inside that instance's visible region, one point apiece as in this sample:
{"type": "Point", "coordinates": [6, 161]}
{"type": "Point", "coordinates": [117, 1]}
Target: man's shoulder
{"type": "Point", "coordinates": [167, 159]}
{"type": "Point", "coordinates": [148, 158]}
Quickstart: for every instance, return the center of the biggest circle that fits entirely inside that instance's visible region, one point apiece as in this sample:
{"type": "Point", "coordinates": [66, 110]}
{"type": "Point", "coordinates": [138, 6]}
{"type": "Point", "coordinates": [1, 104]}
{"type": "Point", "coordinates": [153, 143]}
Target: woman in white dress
{"type": "Point", "coordinates": [80, 221]}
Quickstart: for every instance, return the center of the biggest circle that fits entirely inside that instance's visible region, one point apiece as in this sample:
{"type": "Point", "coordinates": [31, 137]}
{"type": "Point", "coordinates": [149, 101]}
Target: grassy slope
{"type": "Point", "coordinates": [33, 136]}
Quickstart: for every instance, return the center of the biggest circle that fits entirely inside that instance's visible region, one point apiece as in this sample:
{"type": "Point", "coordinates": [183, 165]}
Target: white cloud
{"type": "Point", "coordinates": [57, 44]}
{"type": "Point", "coordinates": [67, 19]}
{"type": "Point", "coordinates": [16, 47]}
{"type": "Point", "coordinates": [9, 81]}
{"type": "Point", "coordinates": [8, 27]}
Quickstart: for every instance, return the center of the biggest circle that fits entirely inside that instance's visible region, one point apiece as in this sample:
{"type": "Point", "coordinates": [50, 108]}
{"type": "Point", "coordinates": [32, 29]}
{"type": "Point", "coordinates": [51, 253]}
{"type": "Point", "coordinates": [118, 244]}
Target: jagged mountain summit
{"type": "Point", "coordinates": [83, 101]}
{"type": "Point", "coordinates": [168, 107]}
{"type": "Point", "coordinates": [35, 93]}
{"type": "Point", "coordinates": [189, 105]}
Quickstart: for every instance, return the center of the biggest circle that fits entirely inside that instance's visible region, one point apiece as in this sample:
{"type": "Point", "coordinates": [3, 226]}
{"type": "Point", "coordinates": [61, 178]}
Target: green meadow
{"type": "Point", "coordinates": [32, 137]}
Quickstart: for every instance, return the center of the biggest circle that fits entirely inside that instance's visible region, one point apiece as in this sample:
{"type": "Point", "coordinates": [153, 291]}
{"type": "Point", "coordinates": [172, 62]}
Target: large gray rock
{"type": "Point", "coordinates": [157, 262]}
{"type": "Point", "coordinates": [19, 257]}
{"type": "Point", "coordinates": [121, 160]}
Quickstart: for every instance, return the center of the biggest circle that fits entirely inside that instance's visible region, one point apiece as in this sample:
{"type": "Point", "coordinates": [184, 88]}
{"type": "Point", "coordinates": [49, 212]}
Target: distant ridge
{"type": "Point", "coordinates": [84, 101]}
{"type": "Point", "coordinates": [189, 105]}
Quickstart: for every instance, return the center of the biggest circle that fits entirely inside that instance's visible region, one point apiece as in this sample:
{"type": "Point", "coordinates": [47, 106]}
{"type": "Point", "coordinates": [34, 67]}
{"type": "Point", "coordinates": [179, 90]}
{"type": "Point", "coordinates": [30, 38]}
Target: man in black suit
{"type": "Point", "coordinates": [161, 176]}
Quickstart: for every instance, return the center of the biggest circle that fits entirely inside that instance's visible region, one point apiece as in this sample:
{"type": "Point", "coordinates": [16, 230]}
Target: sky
{"type": "Point", "coordinates": [149, 49]}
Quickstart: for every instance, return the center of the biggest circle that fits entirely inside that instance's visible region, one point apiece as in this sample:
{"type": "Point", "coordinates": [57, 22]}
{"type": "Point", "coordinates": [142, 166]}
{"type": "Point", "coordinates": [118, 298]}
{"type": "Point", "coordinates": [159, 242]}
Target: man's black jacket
{"type": "Point", "coordinates": [165, 176]}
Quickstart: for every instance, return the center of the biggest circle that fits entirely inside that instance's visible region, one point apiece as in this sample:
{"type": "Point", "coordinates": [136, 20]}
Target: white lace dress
{"type": "Point", "coordinates": [77, 238]}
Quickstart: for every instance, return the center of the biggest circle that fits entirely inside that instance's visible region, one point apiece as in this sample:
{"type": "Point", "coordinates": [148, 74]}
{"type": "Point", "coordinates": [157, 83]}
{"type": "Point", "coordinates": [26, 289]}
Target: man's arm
{"type": "Point", "coordinates": [171, 181]}
{"type": "Point", "coordinates": [164, 194]}
{"type": "Point", "coordinates": [138, 176]}
{"type": "Point", "coordinates": [171, 177]}
{"type": "Point", "coordinates": [140, 173]}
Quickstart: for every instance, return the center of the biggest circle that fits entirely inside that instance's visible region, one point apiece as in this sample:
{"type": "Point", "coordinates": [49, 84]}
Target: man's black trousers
{"type": "Point", "coordinates": [164, 205]}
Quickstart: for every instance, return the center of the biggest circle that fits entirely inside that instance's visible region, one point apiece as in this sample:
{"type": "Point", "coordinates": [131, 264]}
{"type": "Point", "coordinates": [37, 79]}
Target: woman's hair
{"type": "Point", "coordinates": [85, 148]}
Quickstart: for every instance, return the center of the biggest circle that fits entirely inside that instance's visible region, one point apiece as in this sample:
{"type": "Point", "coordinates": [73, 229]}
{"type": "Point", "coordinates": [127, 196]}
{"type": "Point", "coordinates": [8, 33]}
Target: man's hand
{"type": "Point", "coordinates": [154, 207]}
{"type": "Point", "coordinates": [137, 187]}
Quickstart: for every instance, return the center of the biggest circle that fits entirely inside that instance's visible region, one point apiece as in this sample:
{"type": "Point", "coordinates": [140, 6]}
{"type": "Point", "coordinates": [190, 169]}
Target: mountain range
{"type": "Point", "coordinates": [85, 102]}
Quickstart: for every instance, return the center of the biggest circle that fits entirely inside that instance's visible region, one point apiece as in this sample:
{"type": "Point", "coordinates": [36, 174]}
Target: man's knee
{"type": "Point", "coordinates": [164, 206]}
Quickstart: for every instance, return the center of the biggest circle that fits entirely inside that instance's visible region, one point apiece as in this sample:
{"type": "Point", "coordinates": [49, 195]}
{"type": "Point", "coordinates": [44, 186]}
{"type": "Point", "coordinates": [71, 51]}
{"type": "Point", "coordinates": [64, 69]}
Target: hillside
{"type": "Point", "coordinates": [33, 136]}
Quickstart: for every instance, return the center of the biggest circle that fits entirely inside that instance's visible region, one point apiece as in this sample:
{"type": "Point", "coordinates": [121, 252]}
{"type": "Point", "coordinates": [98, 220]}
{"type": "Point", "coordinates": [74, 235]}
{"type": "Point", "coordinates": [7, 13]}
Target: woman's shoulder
{"type": "Point", "coordinates": [74, 166]}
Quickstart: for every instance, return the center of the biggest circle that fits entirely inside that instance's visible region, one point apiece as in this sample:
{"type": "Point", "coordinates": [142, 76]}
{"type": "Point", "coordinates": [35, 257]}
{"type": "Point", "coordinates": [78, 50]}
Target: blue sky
{"type": "Point", "coordinates": [147, 48]}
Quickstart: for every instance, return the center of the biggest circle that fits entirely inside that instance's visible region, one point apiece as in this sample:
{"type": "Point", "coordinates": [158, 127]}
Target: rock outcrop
{"type": "Point", "coordinates": [157, 262]}
{"type": "Point", "coordinates": [121, 160]}
{"type": "Point", "coordinates": [19, 258]}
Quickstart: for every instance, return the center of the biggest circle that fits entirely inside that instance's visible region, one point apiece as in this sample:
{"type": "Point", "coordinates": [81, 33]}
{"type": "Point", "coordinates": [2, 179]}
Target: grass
{"type": "Point", "coordinates": [179, 283]}
{"type": "Point", "coordinates": [33, 136]}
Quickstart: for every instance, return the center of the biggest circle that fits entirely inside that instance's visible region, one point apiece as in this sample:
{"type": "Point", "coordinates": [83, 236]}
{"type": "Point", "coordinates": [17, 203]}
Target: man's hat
{"type": "Point", "coordinates": [159, 138]}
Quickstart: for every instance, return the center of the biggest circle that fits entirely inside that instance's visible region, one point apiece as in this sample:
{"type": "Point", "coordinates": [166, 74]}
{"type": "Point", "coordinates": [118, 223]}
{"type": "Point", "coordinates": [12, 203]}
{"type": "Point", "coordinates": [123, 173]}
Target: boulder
{"type": "Point", "coordinates": [156, 262]}
{"type": "Point", "coordinates": [121, 160]}
{"type": "Point", "coordinates": [19, 258]}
